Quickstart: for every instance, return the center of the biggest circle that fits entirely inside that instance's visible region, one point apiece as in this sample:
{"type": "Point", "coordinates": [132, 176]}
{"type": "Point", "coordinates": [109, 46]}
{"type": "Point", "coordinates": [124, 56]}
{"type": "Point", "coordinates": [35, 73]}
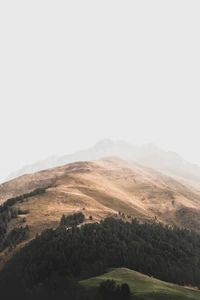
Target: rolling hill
{"type": "Point", "coordinates": [142, 286]}
{"type": "Point", "coordinates": [103, 188]}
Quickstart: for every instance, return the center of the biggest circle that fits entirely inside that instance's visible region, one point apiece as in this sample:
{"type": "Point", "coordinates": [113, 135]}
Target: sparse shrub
{"type": "Point", "coordinates": [23, 211]}
{"type": "Point", "coordinates": [90, 217]}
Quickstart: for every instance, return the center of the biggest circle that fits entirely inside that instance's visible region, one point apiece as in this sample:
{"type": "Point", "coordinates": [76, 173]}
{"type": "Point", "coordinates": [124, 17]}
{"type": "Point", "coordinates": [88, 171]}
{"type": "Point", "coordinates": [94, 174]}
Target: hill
{"type": "Point", "coordinates": [142, 286]}
{"type": "Point", "coordinates": [103, 188]}
{"type": "Point", "coordinates": [149, 155]}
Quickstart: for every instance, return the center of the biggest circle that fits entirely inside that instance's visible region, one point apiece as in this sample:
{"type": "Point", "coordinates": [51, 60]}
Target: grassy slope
{"type": "Point", "coordinates": [101, 189]}
{"type": "Point", "coordinates": [144, 287]}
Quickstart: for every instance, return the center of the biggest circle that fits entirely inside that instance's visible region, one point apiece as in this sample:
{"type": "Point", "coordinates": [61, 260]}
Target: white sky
{"type": "Point", "coordinates": [72, 72]}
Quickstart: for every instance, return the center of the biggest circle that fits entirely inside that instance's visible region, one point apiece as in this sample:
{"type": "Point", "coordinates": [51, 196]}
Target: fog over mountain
{"type": "Point", "coordinates": [99, 150]}
{"type": "Point", "coordinates": [148, 155]}
{"type": "Point", "coordinates": [72, 74]}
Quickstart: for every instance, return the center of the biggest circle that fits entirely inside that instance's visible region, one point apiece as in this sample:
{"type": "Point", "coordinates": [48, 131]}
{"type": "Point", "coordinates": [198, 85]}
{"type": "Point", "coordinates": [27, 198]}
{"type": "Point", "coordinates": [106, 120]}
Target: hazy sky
{"type": "Point", "coordinates": [72, 72]}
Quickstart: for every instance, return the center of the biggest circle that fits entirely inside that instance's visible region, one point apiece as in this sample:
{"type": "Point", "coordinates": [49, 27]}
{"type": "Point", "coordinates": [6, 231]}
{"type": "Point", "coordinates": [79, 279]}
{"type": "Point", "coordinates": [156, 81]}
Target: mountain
{"type": "Point", "coordinates": [34, 204]}
{"type": "Point", "coordinates": [102, 149]}
{"type": "Point", "coordinates": [171, 163]}
{"type": "Point", "coordinates": [148, 155]}
{"type": "Point", "coordinates": [102, 188]}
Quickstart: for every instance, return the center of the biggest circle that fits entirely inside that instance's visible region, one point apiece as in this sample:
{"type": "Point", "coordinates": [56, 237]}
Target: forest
{"type": "Point", "coordinates": [14, 237]}
{"type": "Point", "coordinates": [72, 220]}
{"type": "Point", "coordinates": [169, 254]}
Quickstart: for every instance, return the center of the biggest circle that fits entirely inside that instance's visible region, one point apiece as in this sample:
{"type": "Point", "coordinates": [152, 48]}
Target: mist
{"type": "Point", "coordinates": [76, 72]}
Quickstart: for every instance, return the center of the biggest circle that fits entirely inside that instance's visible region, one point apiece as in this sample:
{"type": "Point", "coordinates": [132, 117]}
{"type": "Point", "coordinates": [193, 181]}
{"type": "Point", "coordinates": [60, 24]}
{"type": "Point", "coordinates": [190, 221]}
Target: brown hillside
{"type": "Point", "coordinates": [103, 188]}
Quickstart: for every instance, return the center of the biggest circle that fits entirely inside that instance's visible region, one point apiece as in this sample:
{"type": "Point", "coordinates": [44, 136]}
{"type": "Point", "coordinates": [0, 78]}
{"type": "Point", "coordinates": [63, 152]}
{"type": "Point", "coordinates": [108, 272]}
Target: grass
{"type": "Point", "coordinates": [143, 287]}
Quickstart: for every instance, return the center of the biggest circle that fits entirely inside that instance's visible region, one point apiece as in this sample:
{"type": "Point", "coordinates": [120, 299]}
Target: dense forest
{"type": "Point", "coordinates": [170, 254]}
{"type": "Point", "coordinates": [72, 220]}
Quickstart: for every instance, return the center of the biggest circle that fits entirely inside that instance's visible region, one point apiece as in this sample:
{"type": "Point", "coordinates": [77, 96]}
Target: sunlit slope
{"type": "Point", "coordinates": [144, 287]}
{"type": "Point", "coordinates": [103, 188]}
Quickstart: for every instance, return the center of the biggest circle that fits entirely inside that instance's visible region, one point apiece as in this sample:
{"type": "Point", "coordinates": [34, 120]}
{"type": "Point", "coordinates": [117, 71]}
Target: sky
{"type": "Point", "coordinates": [74, 72]}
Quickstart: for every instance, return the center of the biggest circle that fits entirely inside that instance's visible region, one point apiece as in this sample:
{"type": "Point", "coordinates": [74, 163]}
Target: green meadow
{"type": "Point", "coordinates": [142, 287]}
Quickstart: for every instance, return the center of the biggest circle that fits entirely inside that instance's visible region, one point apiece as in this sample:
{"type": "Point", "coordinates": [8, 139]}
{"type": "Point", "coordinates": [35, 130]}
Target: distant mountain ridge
{"type": "Point", "coordinates": [148, 155]}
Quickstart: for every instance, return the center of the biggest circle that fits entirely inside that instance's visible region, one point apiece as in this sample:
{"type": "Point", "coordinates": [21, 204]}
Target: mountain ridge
{"type": "Point", "coordinates": [150, 155]}
{"type": "Point", "coordinates": [104, 187]}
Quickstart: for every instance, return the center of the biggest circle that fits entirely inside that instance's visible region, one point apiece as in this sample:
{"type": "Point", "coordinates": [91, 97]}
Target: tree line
{"type": "Point", "coordinates": [110, 290]}
{"type": "Point", "coordinates": [11, 201]}
{"type": "Point", "coordinates": [72, 220]}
